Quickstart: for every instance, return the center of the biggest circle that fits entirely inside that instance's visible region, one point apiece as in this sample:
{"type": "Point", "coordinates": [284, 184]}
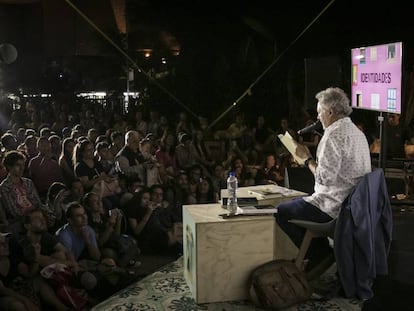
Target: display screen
{"type": "Point", "coordinates": [376, 77]}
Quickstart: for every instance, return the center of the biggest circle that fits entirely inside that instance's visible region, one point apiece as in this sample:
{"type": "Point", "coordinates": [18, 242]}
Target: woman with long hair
{"type": "Point", "coordinates": [86, 168]}
{"type": "Point", "coordinates": [243, 175]}
{"type": "Point", "coordinates": [65, 159]}
{"type": "Point", "coordinates": [92, 175]}
{"type": "Point", "coordinates": [205, 191]}
{"type": "Point", "coordinates": [144, 224]}
{"type": "Point", "coordinates": [165, 155]}
{"type": "Point", "coordinates": [108, 227]}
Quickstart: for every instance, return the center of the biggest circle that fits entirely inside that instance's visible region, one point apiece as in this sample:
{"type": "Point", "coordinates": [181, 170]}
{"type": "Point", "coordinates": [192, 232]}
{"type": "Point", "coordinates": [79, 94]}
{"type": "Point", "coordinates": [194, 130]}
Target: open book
{"type": "Point", "coordinates": [290, 144]}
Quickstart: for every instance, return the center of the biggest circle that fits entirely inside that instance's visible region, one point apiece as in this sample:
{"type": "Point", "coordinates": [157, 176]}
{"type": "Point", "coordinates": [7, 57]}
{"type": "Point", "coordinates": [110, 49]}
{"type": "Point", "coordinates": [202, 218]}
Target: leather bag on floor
{"type": "Point", "coordinates": [278, 284]}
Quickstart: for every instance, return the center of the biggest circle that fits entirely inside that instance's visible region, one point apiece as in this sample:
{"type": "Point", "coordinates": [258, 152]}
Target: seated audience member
{"type": "Point", "coordinates": [397, 137]}
{"type": "Point", "coordinates": [185, 153]}
{"type": "Point", "coordinates": [165, 155]}
{"type": "Point", "coordinates": [75, 135]}
{"type": "Point", "coordinates": [103, 139]}
{"type": "Point", "coordinates": [40, 247]}
{"type": "Point", "coordinates": [66, 132]}
{"type": "Point", "coordinates": [149, 163]}
{"type": "Point", "coordinates": [92, 135]}
{"type": "Point", "coordinates": [66, 159]}
{"type": "Point", "coordinates": [167, 216]}
{"type": "Point", "coordinates": [218, 177]}
{"type": "Point", "coordinates": [43, 169]}
{"type": "Point", "coordinates": [30, 146]}
{"type": "Point", "coordinates": [117, 143]}
{"type": "Point", "coordinates": [144, 224]}
{"type": "Point", "coordinates": [18, 194]}
{"type": "Point", "coordinates": [20, 135]}
{"type": "Point", "coordinates": [177, 194]}
{"type": "Point", "coordinates": [237, 131]}
{"type": "Point", "coordinates": [192, 193]}
{"type": "Point", "coordinates": [243, 175]}
{"type": "Point", "coordinates": [56, 195]}
{"type": "Point", "coordinates": [104, 158]}
{"type": "Point", "coordinates": [87, 169]}
{"type": "Point", "coordinates": [76, 191]}
{"type": "Point", "coordinates": [205, 192]}
{"type": "Point", "coordinates": [56, 146]}
{"type": "Point", "coordinates": [233, 152]}
{"type": "Point", "coordinates": [270, 172]}
{"type": "Point", "coordinates": [195, 172]}
{"type": "Point", "coordinates": [201, 149]}
{"type": "Point", "coordinates": [107, 227]}
{"type": "Point", "coordinates": [132, 185]}
{"type": "Point", "coordinates": [128, 161]}
{"type": "Point", "coordinates": [77, 236]}
{"type": "Point", "coordinates": [80, 129]}
{"type": "Point", "coordinates": [45, 131]}
{"type": "Point", "coordinates": [9, 142]}
{"type": "Point", "coordinates": [17, 293]}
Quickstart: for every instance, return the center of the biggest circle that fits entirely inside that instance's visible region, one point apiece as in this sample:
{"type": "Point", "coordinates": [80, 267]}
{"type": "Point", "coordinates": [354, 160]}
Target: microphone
{"type": "Point", "coordinates": [310, 128]}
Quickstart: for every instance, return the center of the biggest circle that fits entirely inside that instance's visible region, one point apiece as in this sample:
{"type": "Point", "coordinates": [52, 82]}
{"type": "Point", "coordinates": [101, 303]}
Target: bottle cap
{"type": "Point", "coordinates": [232, 174]}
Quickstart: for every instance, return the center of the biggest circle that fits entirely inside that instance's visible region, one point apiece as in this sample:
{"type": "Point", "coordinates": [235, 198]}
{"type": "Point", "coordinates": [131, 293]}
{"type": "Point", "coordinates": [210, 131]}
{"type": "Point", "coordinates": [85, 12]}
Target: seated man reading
{"type": "Point", "coordinates": [342, 159]}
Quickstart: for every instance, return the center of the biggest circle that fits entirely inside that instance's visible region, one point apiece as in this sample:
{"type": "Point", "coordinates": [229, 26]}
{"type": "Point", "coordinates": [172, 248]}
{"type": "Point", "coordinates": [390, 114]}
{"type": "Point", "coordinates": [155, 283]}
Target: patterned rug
{"type": "Point", "coordinates": [167, 289]}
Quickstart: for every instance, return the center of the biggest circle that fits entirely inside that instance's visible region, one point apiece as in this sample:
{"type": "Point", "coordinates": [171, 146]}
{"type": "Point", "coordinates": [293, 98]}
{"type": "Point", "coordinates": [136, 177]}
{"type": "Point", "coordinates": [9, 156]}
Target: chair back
{"type": "Point", "coordinates": [363, 235]}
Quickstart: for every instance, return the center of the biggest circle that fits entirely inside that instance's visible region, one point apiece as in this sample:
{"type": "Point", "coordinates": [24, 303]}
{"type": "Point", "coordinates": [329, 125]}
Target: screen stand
{"type": "Point", "coordinates": [382, 156]}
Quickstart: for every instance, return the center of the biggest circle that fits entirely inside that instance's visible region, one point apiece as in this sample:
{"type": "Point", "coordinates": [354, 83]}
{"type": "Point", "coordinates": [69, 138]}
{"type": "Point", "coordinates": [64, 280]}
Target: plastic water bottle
{"type": "Point", "coordinates": [232, 184]}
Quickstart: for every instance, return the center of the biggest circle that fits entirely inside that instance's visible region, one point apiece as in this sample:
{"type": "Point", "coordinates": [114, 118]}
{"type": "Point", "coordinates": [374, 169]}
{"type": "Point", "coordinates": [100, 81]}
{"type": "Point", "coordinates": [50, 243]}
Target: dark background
{"type": "Point", "coordinates": [224, 46]}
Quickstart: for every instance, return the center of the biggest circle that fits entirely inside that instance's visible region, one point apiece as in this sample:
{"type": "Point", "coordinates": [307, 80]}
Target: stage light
{"type": "Point", "coordinates": [163, 60]}
{"type": "Point", "coordinates": [147, 54]}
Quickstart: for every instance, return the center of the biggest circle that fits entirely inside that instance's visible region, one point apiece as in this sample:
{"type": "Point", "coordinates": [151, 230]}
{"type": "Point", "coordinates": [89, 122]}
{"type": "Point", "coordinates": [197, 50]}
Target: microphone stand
{"type": "Point", "coordinates": [316, 132]}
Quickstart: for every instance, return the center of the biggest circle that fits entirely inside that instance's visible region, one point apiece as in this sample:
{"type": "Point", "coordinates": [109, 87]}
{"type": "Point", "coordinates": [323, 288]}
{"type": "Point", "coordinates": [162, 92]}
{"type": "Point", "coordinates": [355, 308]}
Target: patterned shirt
{"type": "Point", "coordinates": [343, 158]}
{"type": "Point", "coordinates": [16, 200]}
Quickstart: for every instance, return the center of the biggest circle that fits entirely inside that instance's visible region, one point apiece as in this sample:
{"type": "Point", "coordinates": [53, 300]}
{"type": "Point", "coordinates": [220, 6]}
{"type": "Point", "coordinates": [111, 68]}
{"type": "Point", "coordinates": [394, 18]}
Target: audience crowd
{"type": "Point", "coordinates": [85, 194]}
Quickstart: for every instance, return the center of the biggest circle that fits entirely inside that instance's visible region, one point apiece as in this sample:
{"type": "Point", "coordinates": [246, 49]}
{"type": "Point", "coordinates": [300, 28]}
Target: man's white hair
{"type": "Point", "coordinates": [335, 99]}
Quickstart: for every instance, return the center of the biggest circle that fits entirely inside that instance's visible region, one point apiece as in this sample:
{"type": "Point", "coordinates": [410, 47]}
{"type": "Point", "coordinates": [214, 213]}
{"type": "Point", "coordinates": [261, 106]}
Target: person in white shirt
{"type": "Point", "coordinates": [342, 159]}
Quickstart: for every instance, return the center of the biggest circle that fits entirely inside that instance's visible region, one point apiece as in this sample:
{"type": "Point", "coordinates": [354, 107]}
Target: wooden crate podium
{"type": "Point", "coordinates": [219, 254]}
